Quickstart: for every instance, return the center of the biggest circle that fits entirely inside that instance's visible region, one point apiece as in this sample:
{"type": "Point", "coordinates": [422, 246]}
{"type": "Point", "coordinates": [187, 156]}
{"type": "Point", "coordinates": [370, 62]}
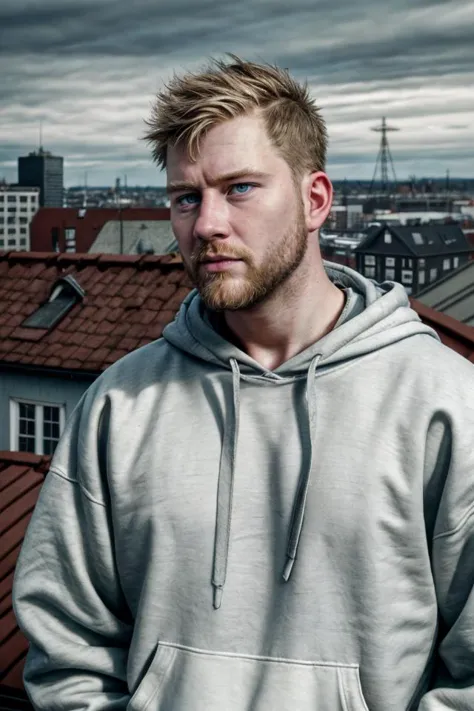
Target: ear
{"type": "Point", "coordinates": [319, 194]}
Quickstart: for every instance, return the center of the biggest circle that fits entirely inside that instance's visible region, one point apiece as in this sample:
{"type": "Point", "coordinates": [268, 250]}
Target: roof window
{"type": "Point", "coordinates": [65, 294]}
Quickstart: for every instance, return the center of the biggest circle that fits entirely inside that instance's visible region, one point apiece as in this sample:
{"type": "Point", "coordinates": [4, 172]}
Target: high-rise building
{"type": "Point", "coordinates": [18, 205]}
{"type": "Point", "coordinates": [44, 171]}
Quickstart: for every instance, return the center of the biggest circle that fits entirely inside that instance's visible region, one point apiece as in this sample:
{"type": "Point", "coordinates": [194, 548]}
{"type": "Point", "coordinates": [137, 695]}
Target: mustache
{"type": "Point", "coordinates": [204, 253]}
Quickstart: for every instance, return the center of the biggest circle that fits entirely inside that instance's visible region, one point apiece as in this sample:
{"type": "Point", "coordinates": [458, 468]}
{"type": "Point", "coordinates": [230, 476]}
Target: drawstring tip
{"type": "Point", "coordinates": [287, 569]}
{"type": "Point", "coordinates": [217, 597]}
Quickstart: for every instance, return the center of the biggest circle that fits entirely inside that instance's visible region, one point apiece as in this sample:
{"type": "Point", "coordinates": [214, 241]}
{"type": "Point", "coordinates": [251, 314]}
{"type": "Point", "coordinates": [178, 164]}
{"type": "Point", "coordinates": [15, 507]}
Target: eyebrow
{"type": "Point", "coordinates": [178, 186]}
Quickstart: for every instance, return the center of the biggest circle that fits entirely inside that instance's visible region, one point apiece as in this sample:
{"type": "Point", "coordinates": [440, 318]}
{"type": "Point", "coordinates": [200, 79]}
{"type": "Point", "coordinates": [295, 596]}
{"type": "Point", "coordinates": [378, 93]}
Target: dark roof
{"type": "Point", "coordinates": [128, 301]}
{"type": "Point", "coordinates": [21, 477]}
{"type": "Point", "coordinates": [421, 240]}
{"type": "Point", "coordinates": [454, 334]}
{"type": "Point", "coordinates": [88, 222]}
{"type": "Point", "coordinates": [453, 295]}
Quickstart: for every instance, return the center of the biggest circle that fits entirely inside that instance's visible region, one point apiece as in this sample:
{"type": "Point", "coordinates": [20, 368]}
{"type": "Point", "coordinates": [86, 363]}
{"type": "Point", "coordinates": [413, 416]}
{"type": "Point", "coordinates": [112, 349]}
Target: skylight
{"type": "Point", "coordinates": [418, 238]}
{"type": "Point", "coordinates": [65, 293]}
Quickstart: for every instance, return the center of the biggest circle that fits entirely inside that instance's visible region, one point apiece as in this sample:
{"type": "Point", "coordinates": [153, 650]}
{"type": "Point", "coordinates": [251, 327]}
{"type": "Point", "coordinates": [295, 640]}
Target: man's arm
{"type": "Point", "coordinates": [452, 557]}
{"type": "Point", "coordinates": [66, 595]}
{"type": "Point", "coordinates": [453, 568]}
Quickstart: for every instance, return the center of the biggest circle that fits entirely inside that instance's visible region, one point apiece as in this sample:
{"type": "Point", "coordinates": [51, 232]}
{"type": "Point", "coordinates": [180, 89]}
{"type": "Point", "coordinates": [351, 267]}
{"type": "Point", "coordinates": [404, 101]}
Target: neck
{"type": "Point", "coordinates": [299, 314]}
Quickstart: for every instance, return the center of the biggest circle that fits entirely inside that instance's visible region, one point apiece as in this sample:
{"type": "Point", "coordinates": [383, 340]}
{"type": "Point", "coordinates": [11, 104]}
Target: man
{"type": "Point", "coordinates": [271, 508]}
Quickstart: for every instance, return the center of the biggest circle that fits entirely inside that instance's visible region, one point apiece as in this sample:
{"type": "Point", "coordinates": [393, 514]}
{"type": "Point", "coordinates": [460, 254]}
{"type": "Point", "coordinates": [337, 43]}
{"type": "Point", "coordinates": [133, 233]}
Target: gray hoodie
{"type": "Point", "coordinates": [214, 536]}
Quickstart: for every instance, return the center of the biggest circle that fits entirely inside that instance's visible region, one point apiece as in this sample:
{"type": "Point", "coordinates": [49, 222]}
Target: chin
{"type": "Point", "coordinates": [228, 295]}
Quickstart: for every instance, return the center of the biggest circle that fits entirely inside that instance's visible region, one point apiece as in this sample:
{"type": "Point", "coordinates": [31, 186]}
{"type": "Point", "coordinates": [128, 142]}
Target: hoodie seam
{"type": "Point", "coordinates": [462, 523]}
{"type": "Point", "coordinates": [87, 494]}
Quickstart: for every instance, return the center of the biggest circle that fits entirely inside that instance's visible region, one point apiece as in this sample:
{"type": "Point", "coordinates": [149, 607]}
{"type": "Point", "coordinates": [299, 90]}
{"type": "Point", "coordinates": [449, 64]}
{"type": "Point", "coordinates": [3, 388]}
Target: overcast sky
{"type": "Point", "coordinates": [89, 70]}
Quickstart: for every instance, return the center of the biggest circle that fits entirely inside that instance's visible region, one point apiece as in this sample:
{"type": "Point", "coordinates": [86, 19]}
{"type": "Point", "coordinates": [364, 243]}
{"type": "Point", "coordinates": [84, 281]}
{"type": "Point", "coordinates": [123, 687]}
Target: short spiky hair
{"type": "Point", "coordinates": [190, 105]}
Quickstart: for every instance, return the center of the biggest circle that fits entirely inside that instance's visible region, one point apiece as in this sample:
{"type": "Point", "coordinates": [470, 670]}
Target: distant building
{"type": "Point", "coordinates": [18, 205]}
{"type": "Point", "coordinates": [417, 218]}
{"type": "Point", "coordinates": [109, 230]}
{"type": "Point", "coordinates": [43, 170]}
{"type": "Point", "coordinates": [344, 217]}
{"type": "Point", "coordinates": [414, 256]}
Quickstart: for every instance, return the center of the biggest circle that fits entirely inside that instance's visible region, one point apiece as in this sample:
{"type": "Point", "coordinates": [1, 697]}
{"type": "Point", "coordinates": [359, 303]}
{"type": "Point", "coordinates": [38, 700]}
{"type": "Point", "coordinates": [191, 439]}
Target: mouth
{"type": "Point", "coordinates": [218, 263]}
{"type": "Point", "coordinates": [215, 259]}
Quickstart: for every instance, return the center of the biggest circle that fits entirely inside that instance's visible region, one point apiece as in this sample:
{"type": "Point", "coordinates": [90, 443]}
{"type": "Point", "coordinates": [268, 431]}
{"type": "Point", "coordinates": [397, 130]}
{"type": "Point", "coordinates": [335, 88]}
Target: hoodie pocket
{"type": "Point", "coordinates": [187, 679]}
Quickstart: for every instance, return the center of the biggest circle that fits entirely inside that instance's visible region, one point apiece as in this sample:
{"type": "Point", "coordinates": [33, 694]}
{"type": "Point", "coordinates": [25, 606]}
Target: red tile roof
{"type": "Point", "coordinates": [129, 299]}
{"type": "Point", "coordinates": [21, 477]}
{"type": "Point", "coordinates": [453, 333]}
{"type": "Point", "coordinates": [87, 227]}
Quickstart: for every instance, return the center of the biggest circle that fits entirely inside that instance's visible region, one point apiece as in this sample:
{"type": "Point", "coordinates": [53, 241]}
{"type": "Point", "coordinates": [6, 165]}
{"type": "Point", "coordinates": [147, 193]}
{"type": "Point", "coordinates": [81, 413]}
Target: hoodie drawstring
{"type": "Point", "coordinates": [225, 490]}
{"type": "Point", "coordinates": [225, 487]}
{"type": "Point", "coordinates": [299, 505]}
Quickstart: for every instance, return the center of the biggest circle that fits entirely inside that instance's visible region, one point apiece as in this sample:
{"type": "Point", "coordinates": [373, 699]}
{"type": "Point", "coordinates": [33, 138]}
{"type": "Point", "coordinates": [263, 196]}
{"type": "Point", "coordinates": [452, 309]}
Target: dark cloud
{"type": "Point", "coordinates": [89, 70]}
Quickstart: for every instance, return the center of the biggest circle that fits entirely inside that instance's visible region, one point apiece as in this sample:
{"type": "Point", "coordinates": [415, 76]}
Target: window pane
{"type": "Point", "coordinates": [49, 446]}
{"type": "Point", "coordinates": [26, 426]}
{"type": "Point", "coordinates": [26, 444]}
{"type": "Point", "coordinates": [27, 411]}
{"type": "Point", "coordinates": [50, 428]}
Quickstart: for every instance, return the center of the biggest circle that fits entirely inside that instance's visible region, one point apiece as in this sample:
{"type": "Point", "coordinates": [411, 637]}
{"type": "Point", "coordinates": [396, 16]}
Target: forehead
{"type": "Point", "coordinates": [225, 148]}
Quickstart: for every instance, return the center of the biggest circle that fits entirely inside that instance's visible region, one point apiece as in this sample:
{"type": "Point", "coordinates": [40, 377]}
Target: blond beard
{"type": "Point", "coordinates": [223, 292]}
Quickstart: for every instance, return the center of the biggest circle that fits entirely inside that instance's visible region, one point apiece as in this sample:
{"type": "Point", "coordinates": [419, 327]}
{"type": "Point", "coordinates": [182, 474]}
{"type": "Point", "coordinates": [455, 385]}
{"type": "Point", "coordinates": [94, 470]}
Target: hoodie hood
{"type": "Point", "coordinates": [386, 318]}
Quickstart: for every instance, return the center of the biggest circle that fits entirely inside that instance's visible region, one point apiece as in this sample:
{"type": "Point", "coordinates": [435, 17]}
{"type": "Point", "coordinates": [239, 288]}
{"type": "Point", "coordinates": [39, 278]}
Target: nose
{"type": "Point", "coordinates": [212, 219]}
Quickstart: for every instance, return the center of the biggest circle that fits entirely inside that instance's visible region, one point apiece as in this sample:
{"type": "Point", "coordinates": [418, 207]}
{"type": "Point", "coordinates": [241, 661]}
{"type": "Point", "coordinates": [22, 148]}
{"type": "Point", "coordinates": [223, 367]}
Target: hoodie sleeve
{"type": "Point", "coordinates": [453, 571]}
{"type": "Point", "coordinates": [66, 595]}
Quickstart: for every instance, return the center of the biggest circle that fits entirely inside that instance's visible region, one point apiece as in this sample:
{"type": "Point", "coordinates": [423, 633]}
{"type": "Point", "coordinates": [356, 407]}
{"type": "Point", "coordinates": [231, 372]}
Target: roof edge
{"type": "Point", "coordinates": [458, 329]}
{"type": "Point", "coordinates": [53, 372]}
{"type": "Point", "coordinates": [173, 259]}
{"type": "Point", "coordinates": [40, 462]}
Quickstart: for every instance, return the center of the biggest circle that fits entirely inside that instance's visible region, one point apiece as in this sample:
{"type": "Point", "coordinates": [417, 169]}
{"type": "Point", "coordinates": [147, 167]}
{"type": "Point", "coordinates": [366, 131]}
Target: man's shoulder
{"type": "Point", "coordinates": [151, 364]}
{"type": "Point", "coordinates": [438, 366]}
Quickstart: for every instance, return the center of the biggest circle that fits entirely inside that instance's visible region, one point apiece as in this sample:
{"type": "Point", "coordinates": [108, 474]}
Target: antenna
{"type": "Point", "coordinates": [84, 204]}
{"type": "Point", "coordinates": [384, 157]}
{"type": "Point", "coordinates": [41, 136]}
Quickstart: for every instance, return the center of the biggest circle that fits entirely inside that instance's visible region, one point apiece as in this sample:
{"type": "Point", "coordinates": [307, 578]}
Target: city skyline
{"type": "Point", "coordinates": [89, 74]}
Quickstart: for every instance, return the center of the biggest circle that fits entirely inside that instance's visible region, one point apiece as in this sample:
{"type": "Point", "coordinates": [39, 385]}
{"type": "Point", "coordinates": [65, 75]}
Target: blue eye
{"type": "Point", "coordinates": [238, 187]}
{"type": "Point", "coordinates": [190, 199]}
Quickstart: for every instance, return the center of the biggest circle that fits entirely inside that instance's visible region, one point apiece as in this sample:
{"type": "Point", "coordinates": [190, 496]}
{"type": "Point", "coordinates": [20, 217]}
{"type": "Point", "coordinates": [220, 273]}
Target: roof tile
{"type": "Point", "coordinates": [128, 302]}
{"type": "Point", "coordinates": [21, 477]}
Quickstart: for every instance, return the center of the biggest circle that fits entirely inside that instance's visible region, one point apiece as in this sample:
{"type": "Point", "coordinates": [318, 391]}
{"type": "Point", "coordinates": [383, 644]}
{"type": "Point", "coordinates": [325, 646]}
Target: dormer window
{"type": "Point", "coordinates": [65, 294]}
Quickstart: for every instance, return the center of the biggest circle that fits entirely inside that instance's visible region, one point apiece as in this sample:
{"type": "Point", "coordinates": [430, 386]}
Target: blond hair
{"type": "Point", "coordinates": [190, 105]}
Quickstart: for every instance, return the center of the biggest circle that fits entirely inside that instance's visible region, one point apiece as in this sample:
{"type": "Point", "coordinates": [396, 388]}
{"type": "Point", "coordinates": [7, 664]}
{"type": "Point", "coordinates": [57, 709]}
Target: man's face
{"type": "Point", "coordinates": [237, 215]}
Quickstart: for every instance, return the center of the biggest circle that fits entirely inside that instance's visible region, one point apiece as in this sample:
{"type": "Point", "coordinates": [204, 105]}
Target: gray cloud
{"type": "Point", "coordinates": [89, 70]}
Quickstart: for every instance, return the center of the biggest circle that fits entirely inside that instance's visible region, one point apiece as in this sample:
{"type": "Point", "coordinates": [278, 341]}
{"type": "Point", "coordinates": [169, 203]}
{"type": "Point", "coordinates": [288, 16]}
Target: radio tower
{"type": "Point", "coordinates": [384, 158]}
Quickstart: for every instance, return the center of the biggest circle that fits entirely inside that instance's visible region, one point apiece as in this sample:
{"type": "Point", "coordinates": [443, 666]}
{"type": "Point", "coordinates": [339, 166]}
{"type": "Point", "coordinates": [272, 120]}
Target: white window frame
{"type": "Point", "coordinates": [421, 263]}
{"type": "Point", "coordinates": [369, 260]}
{"type": "Point", "coordinates": [387, 238]}
{"type": "Point", "coordinates": [389, 261]}
{"type": "Point", "coordinates": [421, 277]}
{"type": "Point", "coordinates": [390, 274]}
{"type": "Point", "coordinates": [369, 272]}
{"type": "Point", "coordinates": [407, 276]}
{"type": "Point", "coordinates": [433, 274]}
{"type": "Point", "coordinates": [455, 262]}
{"type": "Point", "coordinates": [446, 264]}
{"type": "Point", "coordinates": [39, 414]}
